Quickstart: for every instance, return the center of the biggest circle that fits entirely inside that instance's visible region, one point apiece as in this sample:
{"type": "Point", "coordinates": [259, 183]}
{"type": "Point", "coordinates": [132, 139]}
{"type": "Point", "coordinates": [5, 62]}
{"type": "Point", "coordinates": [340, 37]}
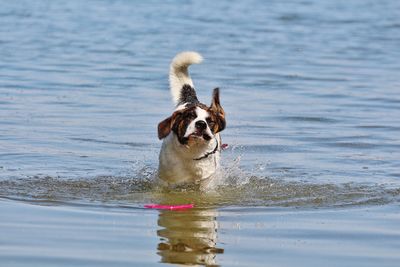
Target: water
{"type": "Point", "coordinates": [311, 92]}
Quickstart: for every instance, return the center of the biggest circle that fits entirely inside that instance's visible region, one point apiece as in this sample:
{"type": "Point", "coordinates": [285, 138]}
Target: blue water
{"type": "Point", "coordinates": [312, 95]}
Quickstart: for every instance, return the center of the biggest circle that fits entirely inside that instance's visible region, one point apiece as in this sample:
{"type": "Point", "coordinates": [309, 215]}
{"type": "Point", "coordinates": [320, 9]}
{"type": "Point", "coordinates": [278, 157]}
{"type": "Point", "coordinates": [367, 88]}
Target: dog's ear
{"type": "Point", "coordinates": [164, 127]}
{"type": "Point", "coordinates": [217, 109]}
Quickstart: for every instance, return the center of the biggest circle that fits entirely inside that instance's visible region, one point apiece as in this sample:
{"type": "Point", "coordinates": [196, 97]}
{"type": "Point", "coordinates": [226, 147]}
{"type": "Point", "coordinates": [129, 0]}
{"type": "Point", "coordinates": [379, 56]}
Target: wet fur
{"type": "Point", "coordinates": [190, 154]}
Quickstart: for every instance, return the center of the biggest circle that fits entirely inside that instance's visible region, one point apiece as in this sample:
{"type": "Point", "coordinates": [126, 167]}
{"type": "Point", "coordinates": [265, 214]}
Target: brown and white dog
{"type": "Point", "coordinates": [191, 147]}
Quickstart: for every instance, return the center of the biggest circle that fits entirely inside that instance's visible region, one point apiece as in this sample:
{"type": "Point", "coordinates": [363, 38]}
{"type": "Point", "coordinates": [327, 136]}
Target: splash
{"type": "Point", "coordinates": [234, 188]}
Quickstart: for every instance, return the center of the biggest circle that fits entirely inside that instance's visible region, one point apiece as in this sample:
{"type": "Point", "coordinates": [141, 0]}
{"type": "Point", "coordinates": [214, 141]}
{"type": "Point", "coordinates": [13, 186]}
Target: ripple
{"type": "Point", "coordinates": [295, 96]}
{"type": "Point", "coordinates": [133, 192]}
{"type": "Point", "coordinates": [90, 140]}
{"type": "Point", "coordinates": [307, 119]}
{"type": "Point", "coordinates": [269, 148]}
{"type": "Point", "coordinates": [358, 145]}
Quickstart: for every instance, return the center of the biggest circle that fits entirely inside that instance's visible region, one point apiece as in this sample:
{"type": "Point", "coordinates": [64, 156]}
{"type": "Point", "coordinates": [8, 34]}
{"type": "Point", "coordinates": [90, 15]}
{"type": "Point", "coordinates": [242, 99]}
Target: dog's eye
{"type": "Point", "coordinates": [191, 115]}
{"type": "Point", "coordinates": [210, 122]}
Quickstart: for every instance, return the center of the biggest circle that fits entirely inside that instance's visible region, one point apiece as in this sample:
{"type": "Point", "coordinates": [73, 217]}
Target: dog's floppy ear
{"type": "Point", "coordinates": [218, 110]}
{"type": "Point", "coordinates": [164, 127]}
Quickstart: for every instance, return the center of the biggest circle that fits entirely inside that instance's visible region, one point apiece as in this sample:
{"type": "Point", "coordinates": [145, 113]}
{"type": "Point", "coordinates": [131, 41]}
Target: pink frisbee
{"type": "Point", "coordinates": [169, 207]}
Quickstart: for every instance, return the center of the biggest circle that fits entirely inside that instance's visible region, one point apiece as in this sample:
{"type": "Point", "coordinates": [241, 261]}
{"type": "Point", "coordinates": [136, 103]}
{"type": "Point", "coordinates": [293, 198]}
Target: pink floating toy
{"type": "Point", "coordinates": [169, 207]}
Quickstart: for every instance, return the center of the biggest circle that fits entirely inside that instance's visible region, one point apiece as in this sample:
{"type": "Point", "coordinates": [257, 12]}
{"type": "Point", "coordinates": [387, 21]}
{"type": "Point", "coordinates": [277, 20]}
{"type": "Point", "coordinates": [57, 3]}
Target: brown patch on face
{"type": "Point", "coordinates": [182, 122]}
{"type": "Point", "coordinates": [216, 121]}
{"type": "Point", "coordinates": [177, 123]}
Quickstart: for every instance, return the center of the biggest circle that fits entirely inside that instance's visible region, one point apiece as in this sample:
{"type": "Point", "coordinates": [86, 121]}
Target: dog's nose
{"type": "Point", "coordinates": [201, 125]}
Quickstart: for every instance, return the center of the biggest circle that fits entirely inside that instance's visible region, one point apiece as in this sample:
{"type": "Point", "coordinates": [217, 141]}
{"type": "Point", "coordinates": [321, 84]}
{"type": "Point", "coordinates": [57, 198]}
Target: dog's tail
{"type": "Point", "coordinates": [179, 74]}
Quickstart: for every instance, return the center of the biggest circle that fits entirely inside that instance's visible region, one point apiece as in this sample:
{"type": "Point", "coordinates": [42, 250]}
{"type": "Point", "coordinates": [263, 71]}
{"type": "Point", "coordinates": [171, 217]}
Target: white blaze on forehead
{"type": "Point", "coordinates": [202, 115]}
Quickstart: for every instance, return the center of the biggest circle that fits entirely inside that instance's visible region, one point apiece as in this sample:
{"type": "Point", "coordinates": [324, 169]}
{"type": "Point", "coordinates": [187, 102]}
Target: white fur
{"type": "Point", "coordinates": [201, 116]}
{"type": "Point", "coordinates": [179, 74]}
{"type": "Point", "coordinates": [177, 164]}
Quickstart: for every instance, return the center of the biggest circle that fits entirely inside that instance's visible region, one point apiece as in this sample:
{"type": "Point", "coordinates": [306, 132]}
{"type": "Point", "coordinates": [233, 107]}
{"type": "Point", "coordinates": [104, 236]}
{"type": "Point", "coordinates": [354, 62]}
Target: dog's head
{"type": "Point", "coordinates": [195, 122]}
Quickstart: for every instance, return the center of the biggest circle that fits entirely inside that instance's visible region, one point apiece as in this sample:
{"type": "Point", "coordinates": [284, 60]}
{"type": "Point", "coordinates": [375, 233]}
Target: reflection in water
{"type": "Point", "coordinates": [188, 237]}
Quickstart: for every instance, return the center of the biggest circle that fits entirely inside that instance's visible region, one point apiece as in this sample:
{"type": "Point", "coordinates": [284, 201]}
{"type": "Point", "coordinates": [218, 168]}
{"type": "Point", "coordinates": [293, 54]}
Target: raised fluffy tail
{"type": "Point", "coordinates": [179, 74]}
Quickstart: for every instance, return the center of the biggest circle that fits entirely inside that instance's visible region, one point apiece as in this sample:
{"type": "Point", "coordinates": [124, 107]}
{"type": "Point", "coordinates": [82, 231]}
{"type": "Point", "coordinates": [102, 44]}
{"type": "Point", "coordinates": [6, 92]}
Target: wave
{"type": "Point", "coordinates": [234, 188]}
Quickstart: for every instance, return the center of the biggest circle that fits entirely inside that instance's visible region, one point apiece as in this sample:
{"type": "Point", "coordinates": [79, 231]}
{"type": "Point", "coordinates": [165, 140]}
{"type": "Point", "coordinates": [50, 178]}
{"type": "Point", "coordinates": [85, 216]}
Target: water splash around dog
{"type": "Point", "coordinates": [234, 187]}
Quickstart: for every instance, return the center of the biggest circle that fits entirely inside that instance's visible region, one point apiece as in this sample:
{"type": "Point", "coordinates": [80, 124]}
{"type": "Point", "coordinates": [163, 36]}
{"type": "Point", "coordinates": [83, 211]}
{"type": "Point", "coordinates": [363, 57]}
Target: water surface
{"type": "Point", "coordinates": [311, 91]}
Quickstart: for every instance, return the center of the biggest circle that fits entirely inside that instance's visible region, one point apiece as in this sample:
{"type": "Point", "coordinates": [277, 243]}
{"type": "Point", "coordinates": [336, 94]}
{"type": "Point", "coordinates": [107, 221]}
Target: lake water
{"type": "Point", "coordinates": [312, 95]}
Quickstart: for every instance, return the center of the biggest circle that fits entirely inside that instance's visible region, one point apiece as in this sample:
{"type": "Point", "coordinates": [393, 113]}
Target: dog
{"type": "Point", "coordinates": [191, 148]}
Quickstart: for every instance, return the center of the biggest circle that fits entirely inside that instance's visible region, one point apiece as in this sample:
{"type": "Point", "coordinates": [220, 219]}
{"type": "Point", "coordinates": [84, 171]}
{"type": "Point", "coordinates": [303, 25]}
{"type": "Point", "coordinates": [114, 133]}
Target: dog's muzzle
{"type": "Point", "coordinates": [201, 130]}
{"type": "Point", "coordinates": [201, 125]}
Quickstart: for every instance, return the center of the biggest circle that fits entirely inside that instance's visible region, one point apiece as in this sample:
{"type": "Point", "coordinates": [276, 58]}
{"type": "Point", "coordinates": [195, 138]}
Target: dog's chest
{"type": "Point", "coordinates": [176, 167]}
